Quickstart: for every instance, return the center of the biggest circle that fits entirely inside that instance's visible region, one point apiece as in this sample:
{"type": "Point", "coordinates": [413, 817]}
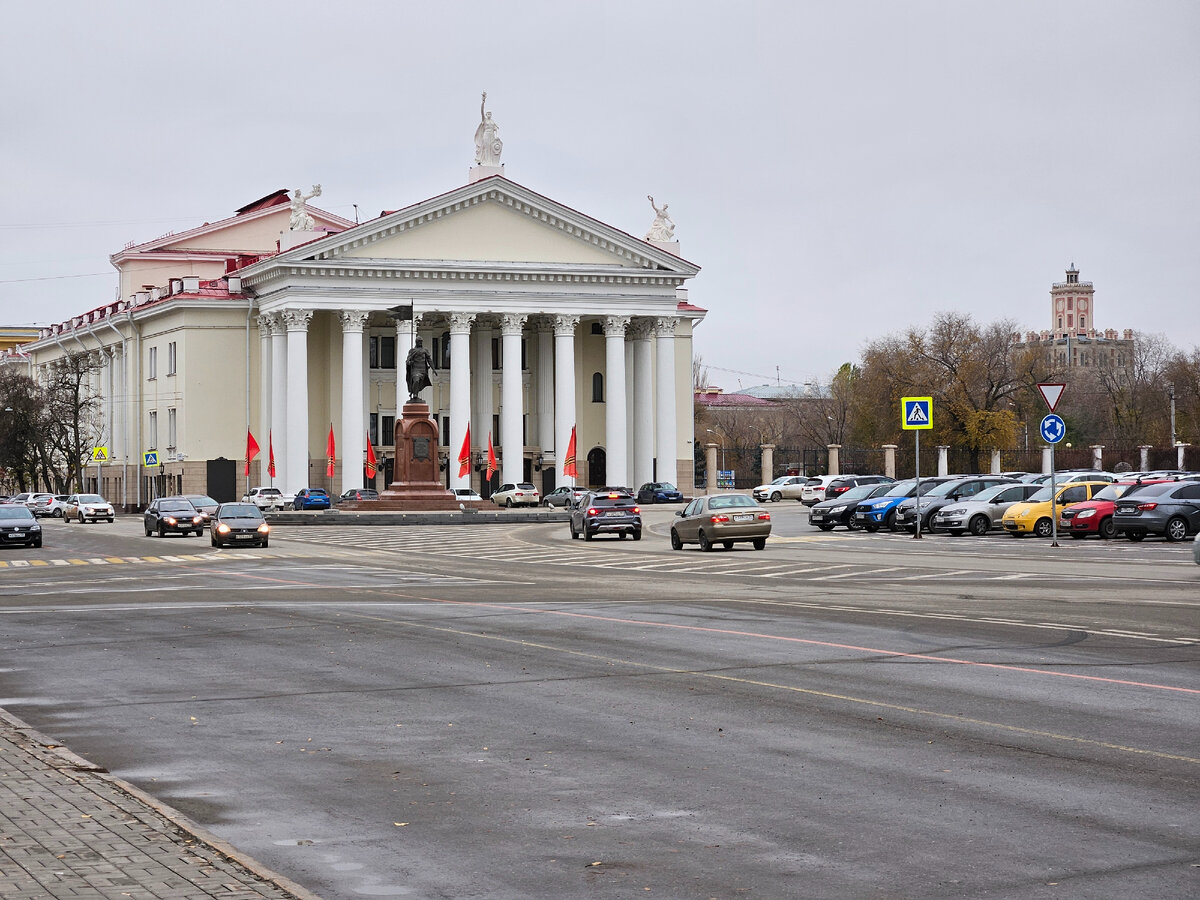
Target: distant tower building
{"type": "Point", "coordinates": [1072, 340]}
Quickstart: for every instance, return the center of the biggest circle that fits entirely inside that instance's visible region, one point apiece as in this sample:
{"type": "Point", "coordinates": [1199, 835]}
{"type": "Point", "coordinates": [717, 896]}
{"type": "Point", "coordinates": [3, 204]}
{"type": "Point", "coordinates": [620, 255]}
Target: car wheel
{"type": "Point", "coordinates": [1107, 530]}
{"type": "Point", "coordinates": [889, 521]}
{"type": "Point", "coordinates": [149, 530]}
{"type": "Point", "coordinates": [57, 514]}
{"type": "Point", "coordinates": [870, 528]}
{"type": "Point", "coordinates": [759, 543]}
{"type": "Point", "coordinates": [851, 525]}
{"type": "Point", "coordinates": [1136, 536]}
{"type": "Point", "coordinates": [676, 543]}
{"type": "Point", "coordinates": [1176, 529]}
{"type": "Point", "coordinates": [508, 502]}
{"type": "Point", "coordinates": [637, 535]}
{"type": "Point", "coordinates": [705, 543]}
{"type": "Point", "coordinates": [957, 532]}
{"type": "Point", "coordinates": [1043, 528]}
{"type": "Point", "coordinates": [37, 542]}
{"type": "Point", "coordinates": [162, 531]}
{"type": "Point", "coordinates": [110, 521]}
{"type": "Point", "coordinates": [826, 527]}
{"type": "Point", "coordinates": [928, 527]}
{"type": "Point", "coordinates": [213, 540]}
{"type": "Point", "coordinates": [265, 543]}
{"type": "Point", "coordinates": [587, 535]}
{"type": "Point", "coordinates": [776, 497]}
{"type": "Point", "coordinates": [978, 526]}
{"type": "Point", "coordinates": [728, 545]}
{"type": "Point", "coordinates": [621, 535]}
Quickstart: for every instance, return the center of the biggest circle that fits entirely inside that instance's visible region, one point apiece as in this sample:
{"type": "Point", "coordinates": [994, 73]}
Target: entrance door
{"type": "Point", "coordinates": [222, 479]}
{"type": "Point", "coordinates": [597, 461]}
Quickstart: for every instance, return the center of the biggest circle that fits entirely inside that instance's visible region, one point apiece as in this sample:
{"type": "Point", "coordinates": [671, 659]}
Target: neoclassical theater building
{"type": "Point", "coordinates": [287, 322]}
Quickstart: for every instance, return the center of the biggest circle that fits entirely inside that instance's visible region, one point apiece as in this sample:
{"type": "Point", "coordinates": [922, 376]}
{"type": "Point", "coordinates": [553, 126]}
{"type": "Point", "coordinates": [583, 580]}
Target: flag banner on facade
{"type": "Point", "coordinates": [569, 463]}
{"type": "Point", "coordinates": [372, 464]}
{"type": "Point", "coordinates": [464, 455]}
{"type": "Point", "coordinates": [330, 453]}
{"type": "Point", "coordinates": [492, 465]}
{"type": "Point", "coordinates": [403, 313]}
{"type": "Point", "coordinates": [252, 450]}
{"type": "Point", "coordinates": [271, 453]}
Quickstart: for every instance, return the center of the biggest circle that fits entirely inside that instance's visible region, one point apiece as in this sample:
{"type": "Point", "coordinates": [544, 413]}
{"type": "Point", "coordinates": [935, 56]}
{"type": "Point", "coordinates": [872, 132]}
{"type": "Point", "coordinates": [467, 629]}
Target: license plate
{"type": "Point", "coordinates": [242, 537]}
{"type": "Point", "coordinates": [18, 533]}
{"type": "Point", "coordinates": [743, 518]}
{"type": "Point", "coordinates": [614, 512]}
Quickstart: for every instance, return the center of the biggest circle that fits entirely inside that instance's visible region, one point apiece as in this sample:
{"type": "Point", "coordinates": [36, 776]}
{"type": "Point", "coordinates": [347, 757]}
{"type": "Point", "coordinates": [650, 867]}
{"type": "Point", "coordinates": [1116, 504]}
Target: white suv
{"type": "Point", "coordinates": [265, 498]}
{"type": "Point", "coordinates": [813, 491]}
{"type": "Point", "coordinates": [788, 487]}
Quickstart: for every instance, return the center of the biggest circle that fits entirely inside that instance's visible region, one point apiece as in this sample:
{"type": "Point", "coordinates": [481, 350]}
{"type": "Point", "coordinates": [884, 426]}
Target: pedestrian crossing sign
{"type": "Point", "coordinates": [916, 413]}
{"type": "Point", "coordinates": [150, 458]}
{"type": "Point", "coordinates": [99, 454]}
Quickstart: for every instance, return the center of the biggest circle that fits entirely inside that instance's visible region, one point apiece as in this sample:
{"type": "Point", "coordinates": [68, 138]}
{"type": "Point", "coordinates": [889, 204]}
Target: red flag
{"type": "Point", "coordinates": [330, 453]}
{"type": "Point", "coordinates": [492, 465]}
{"type": "Point", "coordinates": [371, 463]}
{"type": "Point", "coordinates": [251, 450]}
{"type": "Point", "coordinates": [464, 455]}
{"type": "Point", "coordinates": [569, 467]}
{"type": "Point", "coordinates": [271, 453]}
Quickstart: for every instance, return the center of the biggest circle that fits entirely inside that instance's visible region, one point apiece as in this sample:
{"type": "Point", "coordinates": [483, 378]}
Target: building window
{"type": "Point", "coordinates": [172, 358]}
{"type": "Point", "coordinates": [524, 360]}
{"type": "Point", "coordinates": [497, 355]}
{"type": "Point", "coordinates": [445, 356]}
{"type": "Point", "coordinates": [388, 435]}
{"type": "Point", "coordinates": [1060, 323]}
{"type": "Point", "coordinates": [1083, 322]}
{"type": "Point", "coordinates": [153, 364]}
{"type": "Point", "coordinates": [596, 329]}
{"type": "Point", "coordinates": [152, 431]}
{"type": "Point", "coordinates": [495, 429]}
{"type": "Point", "coordinates": [1070, 302]}
{"type": "Point", "coordinates": [446, 431]}
{"type": "Point", "coordinates": [597, 387]}
{"type": "Point", "coordinates": [382, 351]}
{"type": "Point", "coordinates": [171, 433]}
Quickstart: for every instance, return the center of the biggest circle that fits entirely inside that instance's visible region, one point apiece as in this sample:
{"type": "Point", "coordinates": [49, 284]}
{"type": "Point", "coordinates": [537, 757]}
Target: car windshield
{"type": "Point", "coordinates": [202, 500]}
{"type": "Point", "coordinates": [176, 507]}
{"type": "Point", "coordinates": [927, 486]}
{"type": "Point", "coordinates": [731, 501]}
{"type": "Point", "coordinates": [989, 494]}
{"type": "Point", "coordinates": [612, 501]}
{"type": "Point", "coordinates": [858, 492]}
{"type": "Point", "coordinates": [269, 491]}
{"type": "Point", "coordinates": [783, 479]}
{"type": "Point", "coordinates": [15, 512]}
{"type": "Point", "coordinates": [526, 487]}
{"type": "Point", "coordinates": [239, 511]}
{"type": "Point", "coordinates": [667, 486]}
{"type": "Point", "coordinates": [1113, 491]}
{"type": "Point", "coordinates": [1156, 490]}
{"type": "Point", "coordinates": [317, 492]}
{"type": "Point", "coordinates": [90, 498]}
{"type": "Point", "coordinates": [901, 489]}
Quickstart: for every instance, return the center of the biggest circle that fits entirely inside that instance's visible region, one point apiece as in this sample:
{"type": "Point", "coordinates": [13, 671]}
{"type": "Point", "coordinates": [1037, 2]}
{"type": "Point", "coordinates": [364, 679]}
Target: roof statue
{"type": "Point", "coordinates": [662, 229]}
{"type": "Point", "coordinates": [301, 220]}
{"type": "Point", "coordinates": [487, 144]}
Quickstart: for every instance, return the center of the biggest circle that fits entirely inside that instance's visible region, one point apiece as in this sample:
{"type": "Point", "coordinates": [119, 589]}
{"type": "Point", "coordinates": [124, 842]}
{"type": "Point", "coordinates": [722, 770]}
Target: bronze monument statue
{"type": "Point", "coordinates": [417, 365]}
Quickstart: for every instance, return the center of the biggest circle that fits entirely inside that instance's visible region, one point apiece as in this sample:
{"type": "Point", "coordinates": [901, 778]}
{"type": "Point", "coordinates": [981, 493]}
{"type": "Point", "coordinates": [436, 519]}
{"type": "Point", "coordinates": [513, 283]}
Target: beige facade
{"type": "Point", "coordinates": [538, 309]}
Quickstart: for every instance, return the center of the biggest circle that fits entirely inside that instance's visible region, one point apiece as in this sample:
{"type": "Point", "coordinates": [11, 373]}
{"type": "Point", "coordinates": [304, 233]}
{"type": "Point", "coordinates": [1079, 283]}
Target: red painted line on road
{"type": "Point", "coordinates": [809, 642]}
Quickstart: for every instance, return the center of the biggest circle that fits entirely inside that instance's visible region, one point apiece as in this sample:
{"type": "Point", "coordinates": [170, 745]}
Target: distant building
{"type": "Point", "coordinates": [1072, 340]}
{"type": "Point", "coordinates": [11, 338]}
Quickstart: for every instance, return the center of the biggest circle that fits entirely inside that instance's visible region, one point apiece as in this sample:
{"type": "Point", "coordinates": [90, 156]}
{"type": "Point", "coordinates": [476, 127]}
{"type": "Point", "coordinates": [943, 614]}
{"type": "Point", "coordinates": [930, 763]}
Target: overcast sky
{"type": "Point", "coordinates": [839, 170]}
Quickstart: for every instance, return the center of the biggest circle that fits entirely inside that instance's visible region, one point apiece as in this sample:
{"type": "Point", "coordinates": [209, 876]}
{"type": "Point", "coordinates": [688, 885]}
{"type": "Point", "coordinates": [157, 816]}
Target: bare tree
{"type": "Point", "coordinates": [73, 421]}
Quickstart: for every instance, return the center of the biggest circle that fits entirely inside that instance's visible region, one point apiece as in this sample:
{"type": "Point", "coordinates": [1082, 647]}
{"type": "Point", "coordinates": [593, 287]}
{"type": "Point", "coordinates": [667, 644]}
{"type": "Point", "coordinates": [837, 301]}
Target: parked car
{"type": "Point", "coordinates": [1033, 516]}
{"type": "Point", "coordinates": [85, 508]}
{"type": "Point", "coordinates": [311, 498]}
{"type": "Point", "coordinates": [828, 514]}
{"type": "Point", "coordinates": [465, 494]}
{"type": "Point", "coordinates": [940, 495]}
{"type": "Point", "coordinates": [609, 512]}
{"type": "Point", "coordinates": [523, 494]}
{"type": "Point", "coordinates": [239, 523]}
{"type": "Point", "coordinates": [18, 525]}
{"type": "Point", "coordinates": [49, 505]}
{"type": "Point", "coordinates": [359, 494]}
{"type": "Point", "coordinates": [563, 495]}
{"type": "Point", "coordinates": [785, 487]}
{"type": "Point", "coordinates": [265, 498]}
{"type": "Point", "coordinates": [983, 512]}
{"type": "Point", "coordinates": [843, 483]}
{"type": "Point", "coordinates": [205, 505]}
{"type": "Point", "coordinates": [1062, 477]}
{"type": "Point", "coordinates": [659, 492]}
{"type": "Point", "coordinates": [1196, 549]}
{"type": "Point", "coordinates": [1171, 509]}
{"type": "Point", "coordinates": [723, 519]}
{"type": "Point", "coordinates": [172, 515]}
{"type": "Point", "coordinates": [1095, 516]}
{"type": "Point", "coordinates": [880, 512]}
{"type": "Point", "coordinates": [813, 490]}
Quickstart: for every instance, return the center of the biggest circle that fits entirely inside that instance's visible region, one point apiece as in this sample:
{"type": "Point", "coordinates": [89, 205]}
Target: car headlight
{"type": "Point", "coordinates": [223, 528]}
{"type": "Point", "coordinates": [952, 512]}
{"type": "Point", "coordinates": [170, 520]}
{"type": "Point", "coordinates": [837, 509]}
{"type": "Point", "coordinates": [35, 527]}
{"type": "Point", "coordinates": [264, 528]}
{"type": "Point", "coordinates": [1085, 514]}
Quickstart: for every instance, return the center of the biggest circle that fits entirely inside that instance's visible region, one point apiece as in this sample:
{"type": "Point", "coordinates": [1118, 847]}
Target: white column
{"type": "Point", "coordinates": [110, 425]}
{"type": "Point", "coordinates": [616, 443]}
{"type": "Point", "coordinates": [630, 411]}
{"type": "Point", "coordinates": [643, 406]}
{"type": "Point", "coordinates": [482, 386]}
{"type": "Point", "coordinates": [460, 392]}
{"type": "Point", "coordinates": [545, 395]}
{"type": "Point", "coordinates": [664, 382]}
{"type": "Point", "coordinates": [277, 434]}
{"type": "Point", "coordinates": [266, 375]}
{"type": "Point", "coordinates": [352, 445]}
{"type": "Point", "coordinates": [404, 343]}
{"type": "Point", "coordinates": [564, 396]}
{"type": "Point", "coordinates": [296, 321]}
{"type": "Point", "coordinates": [512, 465]}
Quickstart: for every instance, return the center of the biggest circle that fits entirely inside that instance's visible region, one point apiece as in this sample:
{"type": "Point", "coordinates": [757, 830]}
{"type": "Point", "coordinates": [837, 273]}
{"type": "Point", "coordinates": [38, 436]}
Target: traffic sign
{"type": "Point", "coordinates": [916, 413]}
{"type": "Point", "coordinates": [1051, 394]}
{"type": "Point", "coordinates": [99, 454]}
{"type": "Point", "coordinates": [1053, 429]}
{"type": "Point", "coordinates": [150, 458]}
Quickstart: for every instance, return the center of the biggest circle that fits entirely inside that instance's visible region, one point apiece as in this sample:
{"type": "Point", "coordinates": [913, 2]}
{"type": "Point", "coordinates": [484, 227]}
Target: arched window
{"type": "Point", "coordinates": [597, 387]}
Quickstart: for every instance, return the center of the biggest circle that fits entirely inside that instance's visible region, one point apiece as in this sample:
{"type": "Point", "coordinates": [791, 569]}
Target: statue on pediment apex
{"type": "Point", "coordinates": [487, 141]}
{"type": "Point", "coordinates": [662, 229]}
{"type": "Point", "coordinates": [301, 220]}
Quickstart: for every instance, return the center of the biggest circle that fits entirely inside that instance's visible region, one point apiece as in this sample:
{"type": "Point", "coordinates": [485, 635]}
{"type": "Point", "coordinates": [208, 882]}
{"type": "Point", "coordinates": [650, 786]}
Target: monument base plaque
{"type": "Point", "coordinates": [416, 470]}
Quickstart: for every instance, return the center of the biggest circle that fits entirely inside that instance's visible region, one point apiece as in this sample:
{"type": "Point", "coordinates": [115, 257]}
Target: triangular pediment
{"type": "Point", "coordinates": [491, 221]}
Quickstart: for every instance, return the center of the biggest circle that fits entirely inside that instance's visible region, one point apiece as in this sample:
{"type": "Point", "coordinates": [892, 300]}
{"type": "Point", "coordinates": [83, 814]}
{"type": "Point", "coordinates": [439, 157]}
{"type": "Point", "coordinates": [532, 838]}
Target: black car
{"type": "Point", "coordinates": [172, 514]}
{"type": "Point", "coordinates": [1171, 509]}
{"type": "Point", "coordinates": [611, 512]}
{"type": "Point", "coordinates": [659, 492]}
{"type": "Point", "coordinates": [828, 514]}
{"type": "Point", "coordinates": [18, 525]}
{"type": "Point", "coordinates": [239, 523]}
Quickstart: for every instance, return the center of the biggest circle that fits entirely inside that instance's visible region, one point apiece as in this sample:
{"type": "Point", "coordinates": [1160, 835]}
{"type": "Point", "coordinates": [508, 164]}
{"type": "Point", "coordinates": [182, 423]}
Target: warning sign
{"type": "Point", "coordinates": [99, 454]}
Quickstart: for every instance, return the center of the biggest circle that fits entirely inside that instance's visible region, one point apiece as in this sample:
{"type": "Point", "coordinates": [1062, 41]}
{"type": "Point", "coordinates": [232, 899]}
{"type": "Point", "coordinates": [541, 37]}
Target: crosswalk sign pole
{"type": "Point", "coordinates": [917, 533]}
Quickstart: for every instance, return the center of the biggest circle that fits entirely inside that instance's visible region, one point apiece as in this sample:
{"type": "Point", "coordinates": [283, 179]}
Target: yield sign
{"type": "Point", "coordinates": [1051, 393]}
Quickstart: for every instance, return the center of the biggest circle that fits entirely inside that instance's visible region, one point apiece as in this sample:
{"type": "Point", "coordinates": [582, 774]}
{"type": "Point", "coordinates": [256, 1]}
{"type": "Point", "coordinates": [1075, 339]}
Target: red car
{"type": "Point", "coordinates": [1095, 516]}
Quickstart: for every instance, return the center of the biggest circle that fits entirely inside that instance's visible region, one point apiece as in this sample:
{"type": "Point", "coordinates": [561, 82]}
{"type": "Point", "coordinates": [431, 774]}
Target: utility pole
{"type": "Point", "coordinates": [1171, 395]}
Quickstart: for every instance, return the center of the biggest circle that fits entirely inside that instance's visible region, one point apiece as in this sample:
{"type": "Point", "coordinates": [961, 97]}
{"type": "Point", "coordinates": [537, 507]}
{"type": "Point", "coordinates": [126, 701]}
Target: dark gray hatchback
{"type": "Point", "coordinates": [611, 512]}
{"type": "Point", "coordinates": [1171, 509]}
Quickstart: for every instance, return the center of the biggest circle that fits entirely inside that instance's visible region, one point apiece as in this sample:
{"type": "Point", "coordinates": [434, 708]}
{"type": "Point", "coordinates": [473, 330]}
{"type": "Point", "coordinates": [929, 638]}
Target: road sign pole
{"type": "Point", "coordinates": [1053, 503]}
{"type": "Point", "coordinates": [917, 533]}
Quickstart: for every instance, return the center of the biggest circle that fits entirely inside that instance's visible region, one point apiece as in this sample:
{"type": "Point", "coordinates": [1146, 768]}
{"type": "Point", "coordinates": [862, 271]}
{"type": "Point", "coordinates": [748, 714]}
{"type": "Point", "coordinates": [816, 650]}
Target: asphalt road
{"type": "Point", "coordinates": [501, 712]}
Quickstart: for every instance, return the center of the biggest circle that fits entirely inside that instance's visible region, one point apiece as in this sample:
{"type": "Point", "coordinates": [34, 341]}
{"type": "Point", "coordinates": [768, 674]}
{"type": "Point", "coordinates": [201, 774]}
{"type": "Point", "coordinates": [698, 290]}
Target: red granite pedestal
{"type": "Point", "coordinates": [416, 470]}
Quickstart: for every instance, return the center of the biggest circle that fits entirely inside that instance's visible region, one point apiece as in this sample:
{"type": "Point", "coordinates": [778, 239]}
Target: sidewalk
{"type": "Point", "coordinates": [68, 829]}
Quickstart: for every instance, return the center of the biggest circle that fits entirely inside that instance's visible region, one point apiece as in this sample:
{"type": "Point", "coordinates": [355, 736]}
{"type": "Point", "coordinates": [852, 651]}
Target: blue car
{"type": "Point", "coordinates": [659, 492]}
{"type": "Point", "coordinates": [880, 512]}
{"type": "Point", "coordinates": [311, 498]}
